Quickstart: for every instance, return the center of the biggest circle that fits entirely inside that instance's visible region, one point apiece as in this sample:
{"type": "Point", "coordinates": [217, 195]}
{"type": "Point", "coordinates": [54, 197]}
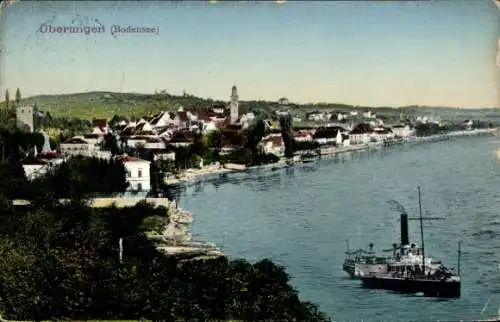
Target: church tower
{"type": "Point", "coordinates": [25, 117]}
{"type": "Point", "coordinates": [233, 109]}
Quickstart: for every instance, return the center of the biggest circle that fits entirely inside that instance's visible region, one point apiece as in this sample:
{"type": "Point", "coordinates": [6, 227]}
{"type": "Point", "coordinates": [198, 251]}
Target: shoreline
{"type": "Point", "coordinates": [195, 175]}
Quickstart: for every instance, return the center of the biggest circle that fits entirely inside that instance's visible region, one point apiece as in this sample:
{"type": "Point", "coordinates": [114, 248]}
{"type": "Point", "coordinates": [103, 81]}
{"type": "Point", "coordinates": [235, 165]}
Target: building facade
{"type": "Point", "coordinates": [138, 175]}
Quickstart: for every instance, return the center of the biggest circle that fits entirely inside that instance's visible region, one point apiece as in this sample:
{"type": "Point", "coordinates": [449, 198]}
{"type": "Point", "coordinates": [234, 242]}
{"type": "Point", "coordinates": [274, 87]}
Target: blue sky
{"type": "Point", "coordinates": [362, 53]}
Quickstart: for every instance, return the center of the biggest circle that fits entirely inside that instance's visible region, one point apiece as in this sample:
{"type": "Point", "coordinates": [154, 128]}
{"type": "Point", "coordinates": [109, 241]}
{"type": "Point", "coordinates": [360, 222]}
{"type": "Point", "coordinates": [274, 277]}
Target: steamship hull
{"type": "Point", "coordinates": [449, 288]}
{"type": "Point", "coordinates": [349, 269]}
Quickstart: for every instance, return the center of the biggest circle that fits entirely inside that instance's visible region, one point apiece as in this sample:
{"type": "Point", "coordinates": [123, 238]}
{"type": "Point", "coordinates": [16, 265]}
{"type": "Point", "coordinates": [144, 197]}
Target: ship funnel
{"type": "Point", "coordinates": [404, 230]}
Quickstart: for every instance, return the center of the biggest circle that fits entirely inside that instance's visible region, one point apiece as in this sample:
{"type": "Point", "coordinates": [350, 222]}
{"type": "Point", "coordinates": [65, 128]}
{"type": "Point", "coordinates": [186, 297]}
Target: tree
{"type": "Point", "coordinates": [286, 133]}
{"type": "Point", "coordinates": [110, 143]}
{"type": "Point", "coordinates": [18, 96]}
{"type": "Point", "coordinates": [7, 98]}
{"type": "Point", "coordinates": [61, 261]}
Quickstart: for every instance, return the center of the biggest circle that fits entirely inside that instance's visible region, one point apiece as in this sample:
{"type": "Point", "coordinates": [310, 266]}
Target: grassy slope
{"type": "Point", "coordinates": [106, 104]}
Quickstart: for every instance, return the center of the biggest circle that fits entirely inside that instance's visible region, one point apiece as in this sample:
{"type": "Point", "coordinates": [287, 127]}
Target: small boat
{"type": "Point", "coordinates": [409, 271]}
{"type": "Point", "coordinates": [308, 158]}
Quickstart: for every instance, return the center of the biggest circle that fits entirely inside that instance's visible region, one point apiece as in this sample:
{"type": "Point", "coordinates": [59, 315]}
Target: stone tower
{"type": "Point", "coordinates": [233, 109]}
{"type": "Point", "coordinates": [25, 117]}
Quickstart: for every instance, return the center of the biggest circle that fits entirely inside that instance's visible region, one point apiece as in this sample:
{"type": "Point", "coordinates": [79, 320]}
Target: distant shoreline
{"type": "Point", "coordinates": [196, 175]}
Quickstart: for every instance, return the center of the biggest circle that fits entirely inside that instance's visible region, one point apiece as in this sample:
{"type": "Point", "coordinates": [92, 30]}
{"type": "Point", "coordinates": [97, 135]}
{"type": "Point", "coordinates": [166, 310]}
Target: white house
{"type": "Point", "coordinates": [402, 131]}
{"type": "Point", "coordinates": [94, 138]}
{"type": "Point", "coordinates": [208, 126]}
{"type": "Point", "coordinates": [369, 115]}
{"type": "Point", "coordinates": [381, 134]}
{"type": "Point", "coordinates": [34, 170]}
{"type": "Point", "coordinates": [136, 141]}
{"type": "Point", "coordinates": [274, 145]}
{"type": "Point", "coordinates": [316, 116]}
{"type": "Point", "coordinates": [164, 156]}
{"type": "Point", "coordinates": [138, 176]}
{"type": "Point", "coordinates": [100, 126]}
{"type": "Point", "coordinates": [468, 124]}
{"type": "Point", "coordinates": [330, 135]}
{"type": "Point", "coordinates": [361, 134]}
{"type": "Point", "coordinates": [77, 146]}
{"type": "Point", "coordinates": [341, 116]}
{"type": "Point", "coordinates": [302, 136]}
{"type": "Point", "coordinates": [39, 164]}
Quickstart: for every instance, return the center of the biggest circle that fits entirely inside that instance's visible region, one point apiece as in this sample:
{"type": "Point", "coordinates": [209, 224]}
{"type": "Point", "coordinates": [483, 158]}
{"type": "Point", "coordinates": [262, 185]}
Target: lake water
{"type": "Point", "coordinates": [300, 217]}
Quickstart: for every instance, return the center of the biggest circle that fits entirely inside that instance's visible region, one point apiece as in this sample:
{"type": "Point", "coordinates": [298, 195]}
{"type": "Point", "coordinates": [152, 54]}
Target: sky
{"type": "Point", "coordinates": [435, 53]}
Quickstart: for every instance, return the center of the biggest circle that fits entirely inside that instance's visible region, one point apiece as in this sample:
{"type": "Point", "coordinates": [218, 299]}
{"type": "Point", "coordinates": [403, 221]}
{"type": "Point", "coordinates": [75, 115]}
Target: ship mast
{"type": "Point", "coordinates": [421, 230]}
{"type": "Point", "coordinates": [421, 219]}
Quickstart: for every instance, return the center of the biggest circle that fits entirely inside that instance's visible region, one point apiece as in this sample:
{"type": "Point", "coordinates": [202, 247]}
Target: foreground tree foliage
{"type": "Point", "coordinates": [83, 176]}
{"type": "Point", "coordinates": [61, 261]}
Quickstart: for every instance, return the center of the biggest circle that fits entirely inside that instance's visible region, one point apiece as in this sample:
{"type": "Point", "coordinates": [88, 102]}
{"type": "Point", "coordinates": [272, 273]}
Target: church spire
{"type": "Point", "coordinates": [234, 109]}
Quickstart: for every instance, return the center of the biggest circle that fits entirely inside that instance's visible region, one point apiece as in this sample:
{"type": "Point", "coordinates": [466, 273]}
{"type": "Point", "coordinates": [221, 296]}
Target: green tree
{"type": "Point", "coordinates": [286, 133]}
{"type": "Point", "coordinates": [7, 98]}
{"type": "Point", "coordinates": [110, 143]}
{"type": "Point", "coordinates": [61, 261]}
{"type": "Point", "coordinates": [18, 96]}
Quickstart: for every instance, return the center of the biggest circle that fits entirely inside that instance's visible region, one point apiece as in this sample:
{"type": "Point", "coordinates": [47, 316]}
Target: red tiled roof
{"type": "Point", "coordinates": [101, 123]}
{"type": "Point", "coordinates": [49, 155]}
{"type": "Point", "coordinates": [301, 134]}
{"type": "Point", "coordinates": [275, 140]}
{"type": "Point", "coordinates": [183, 116]}
{"type": "Point", "coordinates": [220, 123]}
{"type": "Point", "coordinates": [204, 115]}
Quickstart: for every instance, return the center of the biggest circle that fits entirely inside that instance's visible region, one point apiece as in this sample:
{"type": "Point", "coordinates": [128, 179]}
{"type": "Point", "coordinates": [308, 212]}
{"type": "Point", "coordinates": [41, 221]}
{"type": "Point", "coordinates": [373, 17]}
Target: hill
{"type": "Point", "coordinates": [91, 105]}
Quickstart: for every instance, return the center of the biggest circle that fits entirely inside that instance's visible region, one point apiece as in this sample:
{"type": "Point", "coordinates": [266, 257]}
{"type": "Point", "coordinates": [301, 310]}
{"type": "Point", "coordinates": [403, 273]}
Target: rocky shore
{"type": "Point", "coordinates": [175, 238]}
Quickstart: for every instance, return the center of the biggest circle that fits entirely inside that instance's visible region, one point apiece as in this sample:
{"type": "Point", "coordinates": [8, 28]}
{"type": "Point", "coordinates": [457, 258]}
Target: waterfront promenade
{"type": "Point", "coordinates": [193, 175]}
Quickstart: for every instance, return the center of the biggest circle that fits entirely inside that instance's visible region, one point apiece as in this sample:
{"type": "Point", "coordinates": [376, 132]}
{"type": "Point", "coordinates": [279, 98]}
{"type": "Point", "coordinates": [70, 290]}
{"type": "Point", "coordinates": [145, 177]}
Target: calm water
{"type": "Point", "coordinates": [301, 218]}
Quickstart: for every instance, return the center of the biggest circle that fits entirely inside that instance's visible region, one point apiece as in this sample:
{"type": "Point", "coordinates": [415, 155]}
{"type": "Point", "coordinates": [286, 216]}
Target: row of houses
{"type": "Point", "coordinates": [157, 134]}
{"type": "Point", "coordinates": [338, 135]}
{"type": "Point", "coordinates": [339, 116]}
